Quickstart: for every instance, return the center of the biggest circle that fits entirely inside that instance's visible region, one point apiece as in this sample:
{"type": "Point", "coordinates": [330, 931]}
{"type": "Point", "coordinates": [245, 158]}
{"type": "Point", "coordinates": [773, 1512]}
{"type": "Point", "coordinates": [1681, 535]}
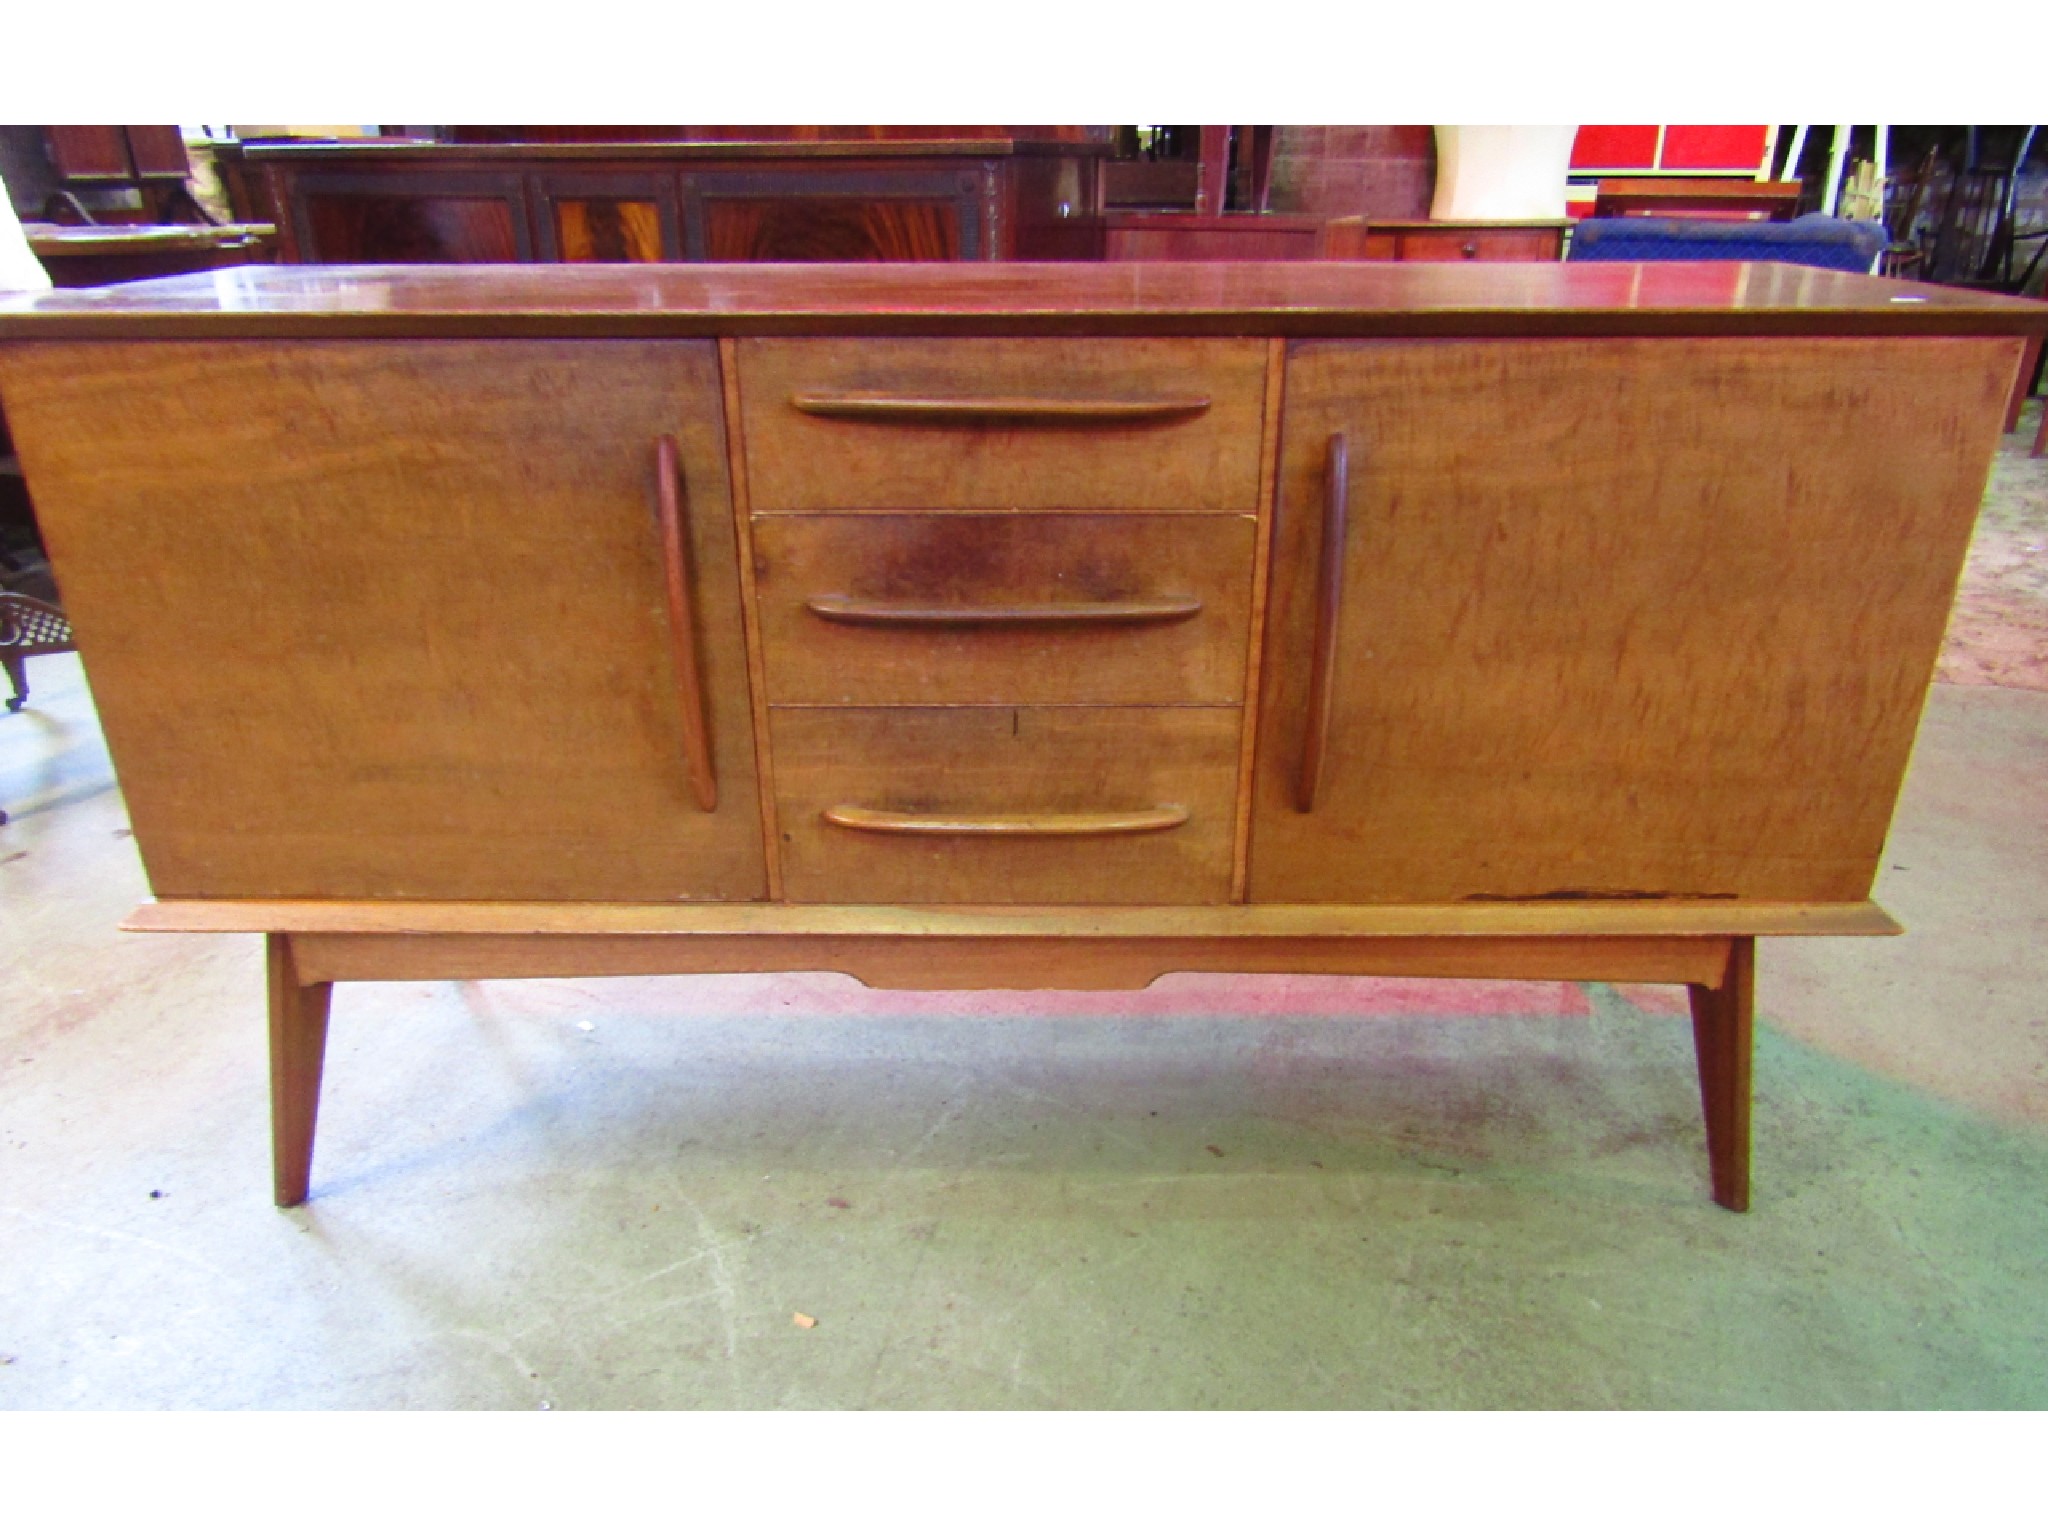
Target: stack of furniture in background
{"type": "Point", "coordinates": [116, 204]}
{"type": "Point", "coordinates": [681, 194]}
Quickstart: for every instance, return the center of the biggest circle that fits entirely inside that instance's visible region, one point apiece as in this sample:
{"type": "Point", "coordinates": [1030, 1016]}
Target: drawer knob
{"type": "Point", "coordinates": [860, 818]}
{"type": "Point", "coordinates": [1471, 249]}
{"type": "Point", "coordinates": [835, 609]}
{"type": "Point", "coordinates": [872, 405]}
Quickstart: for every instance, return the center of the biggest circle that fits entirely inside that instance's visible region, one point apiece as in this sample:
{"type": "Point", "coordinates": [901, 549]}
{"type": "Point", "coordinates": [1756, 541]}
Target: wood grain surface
{"type": "Point", "coordinates": [606, 229]}
{"type": "Point", "coordinates": [1201, 460]}
{"type": "Point", "coordinates": [1022, 298]}
{"type": "Point", "coordinates": [1470, 919]}
{"type": "Point", "coordinates": [1007, 964]}
{"type": "Point", "coordinates": [1662, 627]}
{"type": "Point", "coordinates": [974, 762]}
{"type": "Point", "coordinates": [388, 620]}
{"type": "Point", "coordinates": [1061, 579]}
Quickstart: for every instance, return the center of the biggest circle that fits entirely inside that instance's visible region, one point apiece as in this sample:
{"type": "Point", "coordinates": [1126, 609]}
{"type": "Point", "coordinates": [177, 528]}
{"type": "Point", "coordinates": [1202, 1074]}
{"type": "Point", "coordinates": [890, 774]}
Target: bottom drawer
{"type": "Point", "coordinates": [976, 804]}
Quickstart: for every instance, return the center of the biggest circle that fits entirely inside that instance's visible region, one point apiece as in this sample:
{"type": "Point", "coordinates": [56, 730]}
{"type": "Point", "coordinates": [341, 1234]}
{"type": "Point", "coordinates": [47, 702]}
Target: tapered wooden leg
{"type": "Point", "coordinates": [298, 1045]}
{"type": "Point", "coordinates": [1721, 1034]}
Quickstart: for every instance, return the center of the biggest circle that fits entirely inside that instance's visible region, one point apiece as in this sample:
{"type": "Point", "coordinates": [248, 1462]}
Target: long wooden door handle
{"type": "Point", "coordinates": [879, 405]}
{"type": "Point", "coordinates": [835, 609]}
{"type": "Point", "coordinates": [1322, 677]}
{"type": "Point", "coordinates": [682, 627]}
{"type": "Point", "coordinates": [860, 818]}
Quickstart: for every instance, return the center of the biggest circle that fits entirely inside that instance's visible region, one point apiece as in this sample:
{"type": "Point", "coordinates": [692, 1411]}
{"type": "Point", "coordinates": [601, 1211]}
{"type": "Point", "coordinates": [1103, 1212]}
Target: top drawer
{"type": "Point", "coordinates": [1101, 425]}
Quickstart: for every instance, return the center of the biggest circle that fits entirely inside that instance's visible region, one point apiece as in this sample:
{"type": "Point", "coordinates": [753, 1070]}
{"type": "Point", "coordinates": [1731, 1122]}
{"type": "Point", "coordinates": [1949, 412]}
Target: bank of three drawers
{"type": "Point", "coordinates": [1004, 596]}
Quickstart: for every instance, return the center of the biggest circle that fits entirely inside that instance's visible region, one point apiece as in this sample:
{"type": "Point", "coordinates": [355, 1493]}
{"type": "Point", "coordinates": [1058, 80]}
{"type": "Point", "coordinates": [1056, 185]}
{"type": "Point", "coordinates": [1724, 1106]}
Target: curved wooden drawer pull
{"type": "Point", "coordinates": [682, 627]}
{"type": "Point", "coordinates": [835, 609]}
{"type": "Point", "coordinates": [1322, 677]}
{"type": "Point", "coordinates": [876, 405]}
{"type": "Point", "coordinates": [860, 818]}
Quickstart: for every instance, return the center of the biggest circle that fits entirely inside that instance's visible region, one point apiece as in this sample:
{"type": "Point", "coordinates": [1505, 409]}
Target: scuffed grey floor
{"type": "Point", "coordinates": [1219, 1193]}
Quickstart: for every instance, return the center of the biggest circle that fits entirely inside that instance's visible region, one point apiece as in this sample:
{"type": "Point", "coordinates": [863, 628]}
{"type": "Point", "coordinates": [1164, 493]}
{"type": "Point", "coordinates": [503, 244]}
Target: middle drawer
{"type": "Point", "coordinates": [996, 608]}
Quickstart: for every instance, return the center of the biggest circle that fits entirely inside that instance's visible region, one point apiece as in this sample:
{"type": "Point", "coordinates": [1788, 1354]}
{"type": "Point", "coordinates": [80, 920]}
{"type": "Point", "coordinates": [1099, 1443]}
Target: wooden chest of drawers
{"type": "Point", "coordinates": [1019, 627]}
{"type": "Point", "coordinates": [1361, 239]}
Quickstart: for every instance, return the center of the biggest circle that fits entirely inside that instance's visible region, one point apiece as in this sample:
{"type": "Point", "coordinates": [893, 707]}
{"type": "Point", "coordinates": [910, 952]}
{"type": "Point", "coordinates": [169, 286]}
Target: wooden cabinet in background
{"type": "Point", "coordinates": [896, 199]}
{"type": "Point", "coordinates": [999, 628]}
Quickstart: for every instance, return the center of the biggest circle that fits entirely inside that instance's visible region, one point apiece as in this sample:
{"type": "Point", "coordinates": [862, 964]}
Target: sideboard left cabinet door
{"type": "Point", "coordinates": [371, 619]}
{"type": "Point", "coordinates": [1625, 618]}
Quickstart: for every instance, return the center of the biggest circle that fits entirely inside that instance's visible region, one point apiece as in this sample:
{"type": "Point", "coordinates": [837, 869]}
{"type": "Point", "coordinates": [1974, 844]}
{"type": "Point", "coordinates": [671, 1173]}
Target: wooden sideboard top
{"type": "Point", "coordinates": [1318, 299]}
{"type": "Point", "coordinates": [348, 152]}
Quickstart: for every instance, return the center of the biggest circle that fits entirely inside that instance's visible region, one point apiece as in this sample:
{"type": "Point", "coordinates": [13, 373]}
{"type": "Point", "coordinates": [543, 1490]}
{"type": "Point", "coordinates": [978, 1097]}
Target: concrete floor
{"type": "Point", "coordinates": [1216, 1193]}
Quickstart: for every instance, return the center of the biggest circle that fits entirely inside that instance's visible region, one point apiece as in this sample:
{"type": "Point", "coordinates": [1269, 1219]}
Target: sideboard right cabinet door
{"type": "Point", "coordinates": [1625, 618]}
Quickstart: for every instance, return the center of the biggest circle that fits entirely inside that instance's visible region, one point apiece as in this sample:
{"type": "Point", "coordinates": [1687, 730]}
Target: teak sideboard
{"type": "Point", "coordinates": [1021, 626]}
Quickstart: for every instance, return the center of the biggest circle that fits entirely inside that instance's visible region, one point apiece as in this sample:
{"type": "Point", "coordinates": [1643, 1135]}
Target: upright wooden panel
{"type": "Point", "coordinates": [830, 229]}
{"type": "Point", "coordinates": [606, 229]}
{"type": "Point", "coordinates": [1619, 618]}
{"type": "Point", "coordinates": [388, 619]}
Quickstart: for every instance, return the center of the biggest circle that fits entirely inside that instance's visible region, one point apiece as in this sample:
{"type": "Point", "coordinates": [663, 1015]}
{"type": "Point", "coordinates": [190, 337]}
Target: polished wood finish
{"type": "Point", "coordinates": [1157, 425]}
{"type": "Point", "coordinates": [607, 229]}
{"type": "Point", "coordinates": [1722, 1026]}
{"type": "Point", "coordinates": [89, 152]}
{"type": "Point", "coordinates": [682, 624]}
{"type": "Point", "coordinates": [927, 608]}
{"type": "Point", "coordinates": [87, 255]}
{"type": "Point", "coordinates": [1363, 239]}
{"type": "Point", "coordinates": [298, 1048]}
{"type": "Point", "coordinates": [973, 764]}
{"type": "Point", "coordinates": [792, 229]}
{"type": "Point", "coordinates": [1211, 237]}
{"type": "Point", "coordinates": [406, 633]}
{"type": "Point", "coordinates": [982, 197]}
{"type": "Point", "coordinates": [1322, 299]}
{"type": "Point", "coordinates": [1613, 686]}
{"type": "Point", "coordinates": [1667, 196]}
{"type": "Point", "coordinates": [1662, 630]}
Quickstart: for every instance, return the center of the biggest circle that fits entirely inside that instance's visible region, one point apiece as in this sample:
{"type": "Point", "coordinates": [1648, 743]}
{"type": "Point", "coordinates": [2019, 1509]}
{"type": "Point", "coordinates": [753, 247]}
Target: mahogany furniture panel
{"type": "Point", "coordinates": [1436, 618]}
{"type": "Point", "coordinates": [86, 255]}
{"type": "Point", "coordinates": [1211, 237]}
{"type": "Point", "coordinates": [405, 632]}
{"type": "Point", "coordinates": [1003, 609]}
{"type": "Point", "coordinates": [1139, 425]}
{"type": "Point", "coordinates": [931, 198]}
{"type": "Point", "coordinates": [1663, 197]}
{"type": "Point", "coordinates": [631, 217]}
{"type": "Point", "coordinates": [1661, 631]}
